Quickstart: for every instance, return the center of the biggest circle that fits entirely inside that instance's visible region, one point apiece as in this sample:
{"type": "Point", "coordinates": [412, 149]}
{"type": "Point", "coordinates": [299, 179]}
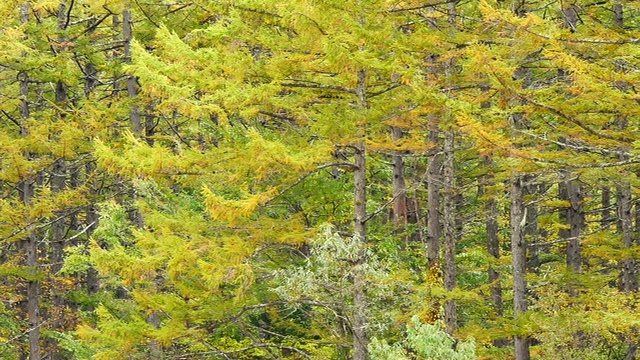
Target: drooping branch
{"type": "Point", "coordinates": [303, 177]}
{"type": "Point", "coordinates": [572, 119]}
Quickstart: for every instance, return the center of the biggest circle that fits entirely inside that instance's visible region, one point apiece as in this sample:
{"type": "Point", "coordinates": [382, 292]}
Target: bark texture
{"type": "Point", "coordinates": [449, 225]}
{"type": "Point", "coordinates": [434, 183]}
{"type": "Point", "coordinates": [132, 86]}
{"type": "Point", "coordinates": [359, 322]}
{"type": "Point", "coordinates": [31, 242]}
{"type": "Point", "coordinates": [518, 254]}
{"type": "Point", "coordinates": [571, 191]}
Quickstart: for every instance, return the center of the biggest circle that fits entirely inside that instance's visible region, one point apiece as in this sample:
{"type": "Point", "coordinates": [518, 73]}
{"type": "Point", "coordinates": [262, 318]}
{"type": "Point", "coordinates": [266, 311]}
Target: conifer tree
{"type": "Point", "coordinates": [183, 161]}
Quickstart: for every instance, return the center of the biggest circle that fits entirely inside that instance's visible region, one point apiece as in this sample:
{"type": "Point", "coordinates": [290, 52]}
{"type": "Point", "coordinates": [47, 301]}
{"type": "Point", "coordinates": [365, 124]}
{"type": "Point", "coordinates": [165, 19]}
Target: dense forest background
{"type": "Point", "coordinates": [319, 179]}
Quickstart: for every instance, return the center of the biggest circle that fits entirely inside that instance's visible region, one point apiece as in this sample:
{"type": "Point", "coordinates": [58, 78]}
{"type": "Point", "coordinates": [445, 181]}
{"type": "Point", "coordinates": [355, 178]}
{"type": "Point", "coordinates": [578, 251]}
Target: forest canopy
{"type": "Point", "coordinates": [271, 179]}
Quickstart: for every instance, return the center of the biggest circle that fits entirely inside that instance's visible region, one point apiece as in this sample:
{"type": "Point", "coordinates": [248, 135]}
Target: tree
{"type": "Point", "coordinates": [184, 158]}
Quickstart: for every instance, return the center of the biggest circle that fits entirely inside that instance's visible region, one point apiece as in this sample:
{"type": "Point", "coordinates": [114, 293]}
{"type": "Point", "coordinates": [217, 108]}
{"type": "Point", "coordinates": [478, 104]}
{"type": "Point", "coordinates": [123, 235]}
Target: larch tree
{"type": "Point", "coordinates": [248, 179]}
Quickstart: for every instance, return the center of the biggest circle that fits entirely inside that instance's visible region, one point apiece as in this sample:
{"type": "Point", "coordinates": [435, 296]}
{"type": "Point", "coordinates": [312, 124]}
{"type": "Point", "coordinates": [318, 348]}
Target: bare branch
{"type": "Point", "coordinates": [581, 147]}
{"type": "Point", "coordinates": [394, 86]}
{"type": "Point", "coordinates": [320, 86]}
{"type": "Point", "coordinates": [422, 6]}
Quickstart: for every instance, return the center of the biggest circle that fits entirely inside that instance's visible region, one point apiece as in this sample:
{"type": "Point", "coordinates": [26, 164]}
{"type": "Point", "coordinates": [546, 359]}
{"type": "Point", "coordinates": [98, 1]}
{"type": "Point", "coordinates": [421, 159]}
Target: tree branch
{"type": "Point", "coordinates": [320, 86]}
{"type": "Point", "coordinates": [303, 177]}
{"type": "Point", "coordinates": [572, 120]}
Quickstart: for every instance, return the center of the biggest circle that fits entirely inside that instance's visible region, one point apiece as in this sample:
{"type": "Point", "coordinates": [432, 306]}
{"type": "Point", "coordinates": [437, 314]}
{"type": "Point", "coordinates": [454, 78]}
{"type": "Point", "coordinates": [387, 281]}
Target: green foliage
{"type": "Point", "coordinates": [77, 261]}
{"type": "Point", "coordinates": [71, 346]}
{"type": "Point", "coordinates": [325, 281]}
{"type": "Point", "coordinates": [202, 234]}
{"type": "Point", "coordinates": [10, 330]}
{"type": "Point", "coordinates": [328, 268]}
{"type": "Point", "coordinates": [424, 342]}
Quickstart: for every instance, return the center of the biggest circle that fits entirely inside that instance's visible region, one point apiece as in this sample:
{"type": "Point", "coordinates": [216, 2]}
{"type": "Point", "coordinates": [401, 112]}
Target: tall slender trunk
{"type": "Point", "coordinates": [531, 231]}
{"type": "Point", "coordinates": [399, 185]}
{"type": "Point", "coordinates": [132, 86]}
{"type": "Point", "coordinates": [628, 277]}
{"type": "Point", "coordinates": [605, 220]}
{"type": "Point", "coordinates": [628, 280]}
{"type": "Point", "coordinates": [56, 258]}
{"type": "Point", "coordinates": [570, 190]}
{"type": "Point", "coordinates": [450, 196]}
{"type": "Point", "coordinates": [33, 285]}
{"type": "Point", "coordinates": [31, 242]}
{"type": "Point", "coordinates": [493, 242]}
{"type": "Point", "coordinates": [518, 254]}
{"type": "Point", "coordinates": [91, 221]}
{"type": "Point", "coordinates": [360, 340]}
{"type": "Point", "coordinates": [493, 247]}
{"type": "Point", "coordinates": [518, 219]}
{"type": "Point", "coordinates": [91, 216]}
{"type": "Point", "coordinates": [637, 218]}
{"type": "Point", "coordinates": [58, 184]}
{"type": "Point", "coordinates": [434, 183]}
{"type": "Point", "coordinates": [360, 337]}
{"type": "Point", "coordinates": [449, 226]}
{"type": "Point", "coordinates": [59, 169]}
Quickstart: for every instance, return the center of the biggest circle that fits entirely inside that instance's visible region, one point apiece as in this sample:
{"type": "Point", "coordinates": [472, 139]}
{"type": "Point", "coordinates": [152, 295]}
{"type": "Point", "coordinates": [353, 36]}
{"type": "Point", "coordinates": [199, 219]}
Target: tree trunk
{"type": "Point", "coordinates": [637, 218]}
{"type": "Point", "coordinates": [449, 201]}
{"type": "Point", "coordinates": [628, 276]}
{"type": "Point", "coordinates": [360, 338]}
{"type": "Point", "coordinates": [155, 348]}
{"type": "Point", "coordinates": [434, 183]}
{"type": "Point", "coordinates": [132, 87]}
{"type": "Point", "coordinates": [449, 226]}
{"type": "Point", "coordinates": [518, 7]}
{"type": "Point", "coordinates": [91, 221]}
{"type": "Point", "coordinates": [56, 258]}
{"type": "Point", "coordinates": [58, 174]}
{"type": "Point", "coordinates": [149, 126]}
{"type": "Point", "coordinates": [33, 285]}
{"type": "Point", "coordinates": [628, 281]}
{"type": "Point", "coordinates": [618, 15]}
{"type": "Point", "coordinates": [570, 190]}
{"type": "Point", "coordinates": [605, 220]}
{"type": "Point", "coordinates": [91, 217]}
{"type": "Point", "coordinates": [493, 242]}
{"type": "Point", "coordinates": [399, 186]}
{"type": "Point", "coordinates": [58, 184]}
{"type": "Point", "coordinates": [518, 254]}
{"type": "Point", "coordinates": [631, 351]}
{"type": "Point", "coordinates": [493, 247]}
{"type": "Point", "coordinates": [31, 242]}
{"type": "Point", "coordinates": [531, 231]}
